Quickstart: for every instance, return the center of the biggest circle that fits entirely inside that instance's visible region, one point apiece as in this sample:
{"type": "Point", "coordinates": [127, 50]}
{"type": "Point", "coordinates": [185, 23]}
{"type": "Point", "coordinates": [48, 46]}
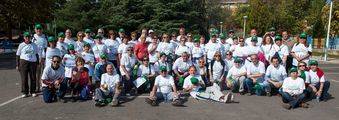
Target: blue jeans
{"type": "Point", "coordinates": [325, 89]}
{"type": "Point", "coordinates": [249, 86]}
{"type": "Point", "coordinates": [51, 94]}
{"type": "Point", "coordinates": [294, 101]}
{"type": "Point", "coordinates": [166, 97]}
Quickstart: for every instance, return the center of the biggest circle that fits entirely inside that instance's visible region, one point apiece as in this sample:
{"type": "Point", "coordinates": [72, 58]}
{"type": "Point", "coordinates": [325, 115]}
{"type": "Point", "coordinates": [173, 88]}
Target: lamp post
{"type": "Point", "coordinates": [221, 27]}
{"type": "Point", "coordinates": [328, 32]}
{"type": "Point", "coordinates": [244, 34]}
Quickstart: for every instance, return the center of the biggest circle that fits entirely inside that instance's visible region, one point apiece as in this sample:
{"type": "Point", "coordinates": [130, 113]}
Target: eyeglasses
{"type": "Point", "coordinates": [164, 37]}
{"type": "Point", "coordinates": [163, 71]}
{"type": "Point", "coordinates": [228, 54]}
{"type": "Point", "coordinates": [301, 65]}
{"type": "Point", "coordinates": [129, 50]}
{"type": "Point", "coordinates": [217, 56]}
{"type": "Point", "coordinates": [145, 60]}
{"type": "Point", "coordinates": [56, 61]}
{"type": "Point", "coordinates": [241, 41]}
{"type": "Point", "coordinates": [201, 61]}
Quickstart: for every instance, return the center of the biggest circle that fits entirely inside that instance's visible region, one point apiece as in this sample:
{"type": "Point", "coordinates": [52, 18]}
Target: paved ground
{"type": "Point", "coordinates": [250, 107]}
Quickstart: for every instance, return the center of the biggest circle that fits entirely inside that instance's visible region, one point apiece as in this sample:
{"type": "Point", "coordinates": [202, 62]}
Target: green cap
{"type": "Point", "coordinates": [61, 34]}
{"type": "Point", "coordinates": [51, 39]}
{"type": "Point", "coordinates": [278, 37]}
{"type": "Point", "coordinates": [86, 44]}
{"type": "Point", "coordinates": [237, 60]}
{"type": "Point", "coordinates": [87, 30]}
{"type": "Point", "coordinates": [162, 53]}
{"type": "Point", "coordinates": [103, 56]}
{"type": "Point", "coordinates": [293, 69]}
{"type": "Point", "coordinates": [313, 62]}
{"type": "Point", "coordinates": [38, 26]}
{"type": "Point", "coordinates": [213, 34]}
{"type": "Point", "coordinates": [194, 80]}
{"type": "Point", "coordinates": [70, 47]}
{"type": "Point", "coordinates": [303, 35]}
{"type": "Point", "coordinates": [163, 68]}
{"type": "Point", "coordinates": [26, 34]}
{"type": "Point", "coordinates": [223, 36]}
{"type": "Point", "coordinates": [98, 37]}
{"type": "Point", "coordinates": [121, 30]}
{"type": "Point", "coordinates": [196, 38]}
{"type": "Point", "coordinates": [231, 31]}
{"type": "Point", "coordinates": [271, 29]}
{"type": "Point", "coordinates": [254, 39]}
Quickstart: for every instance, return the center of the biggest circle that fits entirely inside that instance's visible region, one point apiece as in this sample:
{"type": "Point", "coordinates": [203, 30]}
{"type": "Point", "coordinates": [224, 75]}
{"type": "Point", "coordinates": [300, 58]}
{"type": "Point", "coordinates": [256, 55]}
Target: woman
{"type": "Point", "coordinates": [217, 69]}
{"type": "Point", "coordinates": [202, 69]}
{"type": "Point", "coordinates": [99, 48]}
{"type": "Point", "coordinates": [240, 50]}
{"type": "Point", "coordinates": [127, 65]}
{"type": "Point", "coordinates": [122, 49]}
{"type": "Point", "coordinates": [303, 71]}
{"type": "Point", "coordinates": [229, 60]}
{"type": "Point", "coordinates": [79, 44]}
{"type": "Point", "coordinates": [112, 48]}
{"type": "Point", "coordinates": [236, 77]}
{"type": "Point", "coordinates": [27, 59]}
{"type": "Point", "coordinates": [280, 50]}
{"type": "Point", "coordinates": [166, 47]}
{"type": "Point", "coordinates": [152, 47]}
{"type": "Point", "coordinates": [318, 85]}
{"type": "Point", "coordinates": [134, 39]}
{"type": "Point", "coordinates": [197, 51]}
{"type": "Point", "coordinates": [51, 51]}
{"type": "Point", "coordinates": [301, 51]}
{"type": "Point", "coordinates": [69, 62]}
{"type": "Point", "coordinates": [182, 47]}
{"type": "Point", "coordinates": [267, 47]}
{"type": "Point", "coordinates": [145, 76]}
{"type": "Point", "coordinates": [61, 45]}
{"type": "Point", "coordinates": [88, 56]}
{"type": "Point", "coordinates": [161, 62]}
{"type": "Point", "coordinates": [80, 82]}
{"type": "Point", "coordinates": [292, 91]}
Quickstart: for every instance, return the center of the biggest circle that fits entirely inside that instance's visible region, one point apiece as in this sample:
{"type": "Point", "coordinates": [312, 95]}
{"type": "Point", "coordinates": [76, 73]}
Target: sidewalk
{"type": "Point", "coordinates": [329, 60]}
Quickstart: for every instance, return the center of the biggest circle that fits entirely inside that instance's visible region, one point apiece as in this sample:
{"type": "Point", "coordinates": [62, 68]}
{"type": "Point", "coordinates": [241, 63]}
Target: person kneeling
{"type": "Point", "coordinates": [109, 90]}
{"type": "Point", "coordinates": [53, 81]}
{"type": "Point", "coordinates": [318, 85]}
{"type": "Point", "coordinates": [164, 89]}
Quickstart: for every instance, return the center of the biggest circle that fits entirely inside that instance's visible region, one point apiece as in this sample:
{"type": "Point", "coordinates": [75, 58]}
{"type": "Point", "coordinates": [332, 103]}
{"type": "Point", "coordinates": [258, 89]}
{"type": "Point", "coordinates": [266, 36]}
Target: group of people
{"type": "Point", "coordinates": [106, 67]}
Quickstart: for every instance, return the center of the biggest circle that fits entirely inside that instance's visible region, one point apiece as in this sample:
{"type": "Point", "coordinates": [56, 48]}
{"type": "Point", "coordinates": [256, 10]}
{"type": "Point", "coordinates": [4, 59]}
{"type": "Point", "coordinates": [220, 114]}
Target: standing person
{"type": "Point", "coordinates": [180, 68]}
{"type": "Point", "coordinates": [166, 47]}
{"type": "Point", "coordinates": [51, 51]}
{"type": "Point", "coordinates": [68, 37]}
{"type": "Point", "coordinates": [231, 35]}
{"type": "Point", "coordinates": [152, 47]}
{"type": "Point", "coordinates": [162, 62]}
{"type": "Point", "coordinates": [182, 33]}
{"type": "Point", "coordinates": [127, 65]}
{"type": "Point", "coordinates": [79, 44]}
{"type": "Point", "coordinates": [189, 41]}
{"type": "Point", "coordinates": [122, 35]}
{"type": "Point", "coordinates": [225, 46]}
{"type": "Point", "coordinates": [253, 34]}
{"type": "Point", "coordinates": [174, 40]}
{"type": "Point", "coordinates": [197, 51]}
{"type": "Point", "coordinates": [236, 77]}
{"type": "Point", "coordinates": [98, 48]}
{"type": "Point", "coordinates": [134, 39]}
{"type": "Point", "coordinates": [217, 69]}
{"type": "Point", "coordinates": [140, 49]}
{"type": "Point", "coordinates": [255, 75]}
{"type": "Point", "coordinates": [53, 83]}
{"type": "Point", "coordinates": [301, 51]}
{"type": "Point", "coordinates": [61, 44]}
{"type": "Point", "coordinates": [318, 85]}
{"type": "Point", "coordinates": [253, 48]}
{"type": "Point", "coordinates": [122, 49]}
{"type": "Point", "coordinates": [99, 69]}
{"type": "Point", "coordinates": [88, 56]}
{"type": "Point", "coordinates": [182, 48]}
{"type": "Point", "coordinates": [280, 50]}
{"type": "Point", "coordinates": [69, 62]}
{"type": "Point", "coordinates": [267, 47]}
{"type": "Point", "coordinates": [287, 40]}
{"type": "Point", "coordinates": [109, 91]}
{"type": "Point", "coordinates": [275, 75]}
{"type": "Point", "coordinates": [80, 81]}
{"type": "Point", "coordinates": [27, 58]}
{"type": "Point", "coordinates": [164, 89]}
{"type": "Point", "coordinates": [40, 40]}
{"type": "Point", "coordinates": [101, 32]}
{"type": "Point", "coordinates": [292, 91]}
{"type": "Point", "coordinates": [88, 38]}
{"type": "Point", "coordinates": [212, 47]}
{"type": "Point", "coordinates": [112, 48]}
{"type": "Point", "coordinates": [240, 50]}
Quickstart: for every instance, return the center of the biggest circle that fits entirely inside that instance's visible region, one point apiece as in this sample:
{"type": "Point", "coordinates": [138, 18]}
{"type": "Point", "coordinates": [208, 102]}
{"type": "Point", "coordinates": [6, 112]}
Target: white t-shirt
{"type": "Point", "coordinates": [239, 51]}
{"type": "Point", "coordinates": [189, 44]}
{"type": "Point", "coordinates": [69, 41]}
{"type": "Point", "coordinates": [182, 66]}
{"type": "Point", "coordinates": [79, 46]}
{"type": "Point", "coordinates": [50, 52]}
{"type": "Point", "coordinates": [293, 87]}
{"type": "Point", "coordinates": [198, 52]}
{"type": "Point", "coordinates": [128, 62]}
{"type": "Point", "coordinates": [282, 50]}
{"type": "Point", "coordinates": [218, 70]}
{"type": "Point", "coordinates": [235, 71]}
{"type": "Point", "coordinates": [164, 83]}
{"type": "Point", "coordinates": [50, 74]}
{"type": "Point", "coordinates": [89, 40]}
{"type": "Point", "coordinates": [248, 41]}
{"type": "Point", "coordinates": [229, 63]}
{"type": "Point", "coordinates": [166, 48]}
{"type": "Point", "coordinates": [181, 49]}
{"type": "Point", "coordinates": [188, 83]}
{"type": "Point", "coordinates": [229, 41]}
{"type": "Point", "coordinates": [41, 42]}
{"type": "Point", "coordinates": [267, 50]}
{"type": "Point", "coordinates": [110, 80]}
{"type": "Point", "coordinates": [112, 48]}
{"type": "Point", "coordinates": [62, 46]}
{"type": "Point", "coordinates": [158, 64]}
{"type": "Point", "coordinates": [276, 74]}
{"type": "Point", "coordinates": [255, 69]}
{"type": "Point", "coordinates": [253, 49]}
{"type": "Point", "coordinates": [27, 52]}
{"type": "Point", "coordinates": [211, 48]}
{"type": "Point", "coordinates": [69, 63]}
{"type": "Point", "coordinates": [175, 44]}
{"type": "Point", "coordinates": [122, 49]}
{"type": "Point", "coordinates": [99, 49]}
{"type": "Point", "coordinates": [143, 70]}
{"type": "Point", "coordinates": [314, 78]}
{"type": "Point", "coordinates": [88, 57]}
{"type": "Point", "coordinates": [152, 55]}
{"type": "Point", "coordinates": [301, 51]}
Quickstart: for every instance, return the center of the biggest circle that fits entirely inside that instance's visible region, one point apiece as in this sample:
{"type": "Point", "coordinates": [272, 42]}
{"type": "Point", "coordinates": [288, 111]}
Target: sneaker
{"type": "Point", "coordinates": [249, 94]}
{"type": "Point", "coordinates": [34, 95]}
{"type": "Point", "coordinates": [228, 98]}
{"type": "Point", "coordinates": [151, 102]}
{"type": "Point", "coordinates": [268, 94]}
{"type": "Point", "coordinates": [24, 95]}
{"type": "Point", "coordinates": [286, 106]}
{"type": "Point", "coordinates": [304, 105]}
{"type": "Point", "coordinates": [242, 93]}
{"type": "Point", "coordinates": [114, 103]}
{"type": "Point", "coordinates": [177, 102]}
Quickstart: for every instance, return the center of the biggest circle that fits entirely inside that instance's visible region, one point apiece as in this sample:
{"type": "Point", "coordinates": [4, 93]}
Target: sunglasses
{"type": "Point", "coordinates": [217, 56]}
{"type": "Point", "coordinates": [301, 65]}
{"type": "Point", "coordinates": [56, 61]}
{"type": "Point", "coordinates": [228, 54]}
{"type": "Point", "coordinates": [241, 41]}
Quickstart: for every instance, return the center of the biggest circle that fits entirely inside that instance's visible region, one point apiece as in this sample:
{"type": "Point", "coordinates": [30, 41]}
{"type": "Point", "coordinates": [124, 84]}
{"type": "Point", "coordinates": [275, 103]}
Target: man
{"type": "Point", "coordinates": [180, 67]}
{"type": "Point", "coordinates": [280, 50]}
{"type": "Point", "coordinates": [275, 75]}
{"type": "Point", "coordinates": [225, 46]}
{"type": "Point", "coordinates": [68, 37]}
{"type": "Point", "coordinates": [41, 41]}
{"type": "Point", "coordinates": [61, 44]}
{"type": "Point", "coordinates": [101, 33]}
{"type": "Point", "coordinates": [255, 75]}
{"type": "Point", "coordinates": [109, 90]}
{"type": "Point", "coordinates": [27, 58]}
{"type": "Point", "coordinates": [212, 47]}
{"type": "Point", "coordinates": [88, 37]}
{"type": "Point", "coordinates": [230, 37]}
{"type": "Point", "coordinates": [253, 34]}
{"type": "Point", "coordinates": [140, 49]}
{"type": "Point", "coordinates": [100, 68]}
{"type": "Point", "coordinates": [271, 31]}
{"type": "Point", "coordinates": [53, 83]}
{"type": "Point", "coordinates": [164, 89]}
{"type": "Point", "coordinates": [121, 33]}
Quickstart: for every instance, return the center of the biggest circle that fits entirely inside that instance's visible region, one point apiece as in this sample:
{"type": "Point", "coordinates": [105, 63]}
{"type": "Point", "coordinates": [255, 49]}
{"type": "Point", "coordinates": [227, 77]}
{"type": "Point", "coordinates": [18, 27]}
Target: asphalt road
{"type": "Point", "coordinates": [12, 107]}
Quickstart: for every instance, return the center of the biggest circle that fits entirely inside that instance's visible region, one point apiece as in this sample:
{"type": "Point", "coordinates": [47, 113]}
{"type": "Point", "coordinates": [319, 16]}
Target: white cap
{"type": "Point", "coordinates": [150, 31]}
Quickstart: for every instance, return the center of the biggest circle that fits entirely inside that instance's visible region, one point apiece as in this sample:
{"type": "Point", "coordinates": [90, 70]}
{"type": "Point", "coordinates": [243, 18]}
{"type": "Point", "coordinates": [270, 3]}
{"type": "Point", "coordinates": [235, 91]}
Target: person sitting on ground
{"type": "Point", "coordinates": [80, 81]}
{"type": "Point", "coordinates": [164, 89]}
{"type": "Point", "coordinates": [180, 68]}
{"type": "Point", "coordinates": [146, 75]}
{"type": "Point", "coordinates": [217, 69]}
{"type": "Point", "coordinates": [128, 64]}
{"type": "Point", "coordinates": [275, 75]}
{"type": "Point", "coordinates": [188, 84]}
{"type": "Point", "coordinates": [303, 71]}
{"type": "Point", "coordinates": [110, 88]}
{"type": "Point", "coordinates": [202, 70]}
{"type": "Point", "coordinates": [236, 77]}
{"type": "Point", "coordinates": [255, 75]}
{"type": "Point", "coordinates": [53, 81]}
{"type": "Point", "coordinates": [292, 91]}
{"type": "Point", "coordinates": [318, 85]}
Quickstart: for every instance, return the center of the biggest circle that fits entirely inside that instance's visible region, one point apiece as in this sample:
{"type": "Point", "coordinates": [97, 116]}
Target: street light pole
{"type": "Point", "coordinates": [221, 27]}
{"type": "Point", "coordinates": [244, 34]}
{"type": "Point", "coordinates": [328, 32]}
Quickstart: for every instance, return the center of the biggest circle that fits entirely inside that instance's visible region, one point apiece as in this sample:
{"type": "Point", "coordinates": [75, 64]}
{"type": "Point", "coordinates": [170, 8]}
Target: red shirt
{"type": "Point", "coordinates": [140, 50]}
